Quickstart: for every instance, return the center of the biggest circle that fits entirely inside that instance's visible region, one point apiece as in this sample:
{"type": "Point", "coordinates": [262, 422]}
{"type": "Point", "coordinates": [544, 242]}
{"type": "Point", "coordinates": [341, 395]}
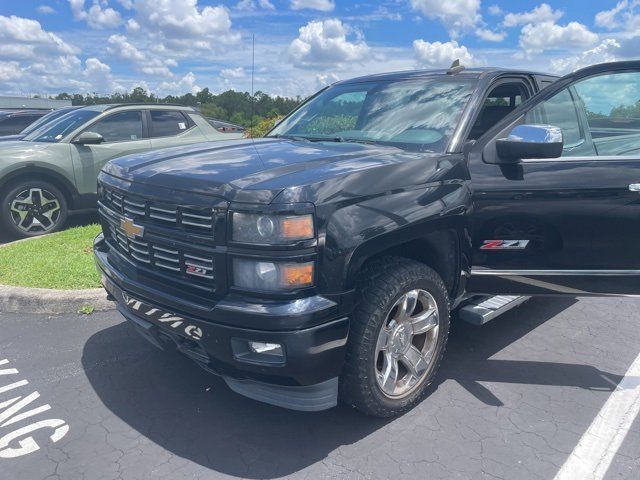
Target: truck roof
{"type": "Point", "coordinates": [475, 72]}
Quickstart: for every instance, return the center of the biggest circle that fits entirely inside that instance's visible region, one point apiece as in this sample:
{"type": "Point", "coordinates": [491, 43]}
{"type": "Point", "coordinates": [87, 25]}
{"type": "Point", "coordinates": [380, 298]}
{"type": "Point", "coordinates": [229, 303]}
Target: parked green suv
{"type": "Point", "coordinates": [52, 172]}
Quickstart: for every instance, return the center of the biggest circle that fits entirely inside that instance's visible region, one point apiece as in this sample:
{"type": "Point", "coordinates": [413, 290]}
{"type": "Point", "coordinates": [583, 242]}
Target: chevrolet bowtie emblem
{"type": "Point", "coordinates": [131, 229]}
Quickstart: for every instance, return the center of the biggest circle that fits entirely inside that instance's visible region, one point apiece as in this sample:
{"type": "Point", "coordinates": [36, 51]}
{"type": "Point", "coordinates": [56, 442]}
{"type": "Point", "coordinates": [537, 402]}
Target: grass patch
{"type": "Point", "coordinates": [62, 260]}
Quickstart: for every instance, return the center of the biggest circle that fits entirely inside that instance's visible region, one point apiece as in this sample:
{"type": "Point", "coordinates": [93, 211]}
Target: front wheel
{"type": "Point", "coordinates": [32, 207]}
{"type": "Point", "coordinates": [397, 338]}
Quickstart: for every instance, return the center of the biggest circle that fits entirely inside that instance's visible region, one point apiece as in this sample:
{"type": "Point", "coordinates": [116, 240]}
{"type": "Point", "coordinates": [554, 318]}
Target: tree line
{"type": "Point", "coordinates": [231, 106]}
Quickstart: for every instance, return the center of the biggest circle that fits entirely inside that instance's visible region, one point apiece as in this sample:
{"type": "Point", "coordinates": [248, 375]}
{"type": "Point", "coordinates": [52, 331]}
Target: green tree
{"type": "Point", "coordinates": [230, 106]}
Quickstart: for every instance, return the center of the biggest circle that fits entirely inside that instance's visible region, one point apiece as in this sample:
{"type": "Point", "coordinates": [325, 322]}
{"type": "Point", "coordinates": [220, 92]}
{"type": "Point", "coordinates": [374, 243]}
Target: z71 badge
{"type": "Point", "coordinates": [504, 245]}
{"type": "Point", "coordinates": [165, 318]}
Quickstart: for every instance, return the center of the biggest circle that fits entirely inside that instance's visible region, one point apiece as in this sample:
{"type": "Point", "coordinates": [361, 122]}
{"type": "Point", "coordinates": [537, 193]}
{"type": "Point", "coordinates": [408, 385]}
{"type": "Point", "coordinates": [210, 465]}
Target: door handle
{"type": "Point", "coordinates": [634, 187]}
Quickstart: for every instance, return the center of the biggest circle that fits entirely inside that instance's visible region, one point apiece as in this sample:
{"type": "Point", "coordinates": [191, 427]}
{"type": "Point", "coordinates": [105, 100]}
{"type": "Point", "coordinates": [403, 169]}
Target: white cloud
{"type": "Point", "coordinates": [62, 73]}
{"type": "Point", "coordinates": [606, 51]}
{"type": "Point", "coordinates": [249, 5]}
{"type": "Point", "coordinates": [541, 14]}
{"type": "Point", "coordinates": [22, 38]}
{"type": "Point", "coordinates": [322, 5]}
{"type": "Point", "coordinates": [149, 64]}
{"type": "Point", "coordinates": [185, 84]}
{"type": "Point", "coordinates": [98, 75]}
{"type": "Point", "coordinates": [233, 72]}
{"type": "Point", "coordinates": [550, 36]}
{"type": "Point", "coordinates": [324, 42]}
{"type": "Point", "coordinates": [181, 26]}
{"type": "Point", "coordinates": [456, 15]}
{"type": "Point", "coordinates": [99, 15]}
{"type": "Point", "coordinates": [9, 71]}
{"type": "Point", "coordinates": [119, 46]}
{"type": "Point", "coordinates": [490, 35]}
{"type": "Point", "coordinates": [440, 54]}
{"type": "Point", "coordinates": [77, 9]}
{"type": "Point", "coordinates": [381, 13]}
{"type": "Point", "coordinates": [45, 10]}
{"type": "Point", "coordinates": [623, 15]}
{"type": "Point", "coordinates": [324, 79]}
{"type": "Point", "coordinates": [132, 25]}
{"type": "Point", "coordinates": [495, 10]}
{"type": "Point", "coordinates": [608, 18]}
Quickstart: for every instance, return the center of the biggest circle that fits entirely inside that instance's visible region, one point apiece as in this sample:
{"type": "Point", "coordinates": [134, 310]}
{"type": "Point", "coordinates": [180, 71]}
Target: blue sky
{"type": "Point", "coordinates": [180, 46]}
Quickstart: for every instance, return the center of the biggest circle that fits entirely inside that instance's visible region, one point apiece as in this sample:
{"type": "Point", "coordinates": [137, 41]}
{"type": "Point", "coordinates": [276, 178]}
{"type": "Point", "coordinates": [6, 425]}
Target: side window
{"type": "Point", "coordinates": [15, 124]}
{"type": "Point", "coordinates": [120, 127]}
{"type": "Point", "coordinates": [561, 110]}
{"type": "Point", "coordinates": [26, 120]}
{"type": "Point", "coordinates": [499, 103]}
{"type": "Point", "coordinates": [165, 123]}
{"type": "Point", "coordinates": [599, 116]}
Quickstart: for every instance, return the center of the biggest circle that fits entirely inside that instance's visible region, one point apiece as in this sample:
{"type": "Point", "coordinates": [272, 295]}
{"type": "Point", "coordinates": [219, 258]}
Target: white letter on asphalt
{"type": "Point", "coordinates": [28, 444]}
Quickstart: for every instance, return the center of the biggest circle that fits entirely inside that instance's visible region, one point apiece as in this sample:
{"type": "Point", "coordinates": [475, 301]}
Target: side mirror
{"type": "Point", "coordinates": [530, 141]}
{"type": "Point", "coordinates": [88, 138]}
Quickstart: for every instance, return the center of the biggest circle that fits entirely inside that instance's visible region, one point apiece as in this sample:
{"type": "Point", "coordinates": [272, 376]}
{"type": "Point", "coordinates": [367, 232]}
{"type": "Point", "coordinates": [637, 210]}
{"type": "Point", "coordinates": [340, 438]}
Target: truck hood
{"type": "Point", "coordinates": [251, 171]}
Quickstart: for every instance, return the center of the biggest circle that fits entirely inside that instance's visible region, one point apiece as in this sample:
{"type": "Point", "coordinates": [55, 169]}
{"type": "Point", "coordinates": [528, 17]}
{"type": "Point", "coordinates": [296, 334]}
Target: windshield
{"type": "Point", "coordinates": [56, 130]}
{"type": "Point", "coordinates": [42, 120]}
{"type": "Point", "coordinates": [412, 114]}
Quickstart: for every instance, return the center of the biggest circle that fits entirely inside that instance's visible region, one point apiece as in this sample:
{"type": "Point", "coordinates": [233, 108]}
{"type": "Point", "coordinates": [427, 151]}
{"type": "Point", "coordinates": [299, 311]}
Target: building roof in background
{"type": "Point", "coordinates": [21, 103]}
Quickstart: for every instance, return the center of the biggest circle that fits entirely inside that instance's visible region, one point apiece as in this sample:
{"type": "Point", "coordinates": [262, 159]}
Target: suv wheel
{"type": "Point", "coordinates": [32, 207]}
{"type": "Point", "coordinates": [397, 338]}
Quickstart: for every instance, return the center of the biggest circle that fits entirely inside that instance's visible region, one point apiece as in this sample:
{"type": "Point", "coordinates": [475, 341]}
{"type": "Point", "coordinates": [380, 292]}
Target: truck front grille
{"type": "Point", "coordinates": [196, 219]}
{"type": "Point", "coordinates": [157, 255]}
{"type": "Point", "coordinates": [177, 247]}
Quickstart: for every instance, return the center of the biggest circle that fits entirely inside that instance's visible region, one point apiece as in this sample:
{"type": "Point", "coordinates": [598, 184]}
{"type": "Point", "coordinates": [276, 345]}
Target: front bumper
{"type": "Point", "coordinates": [306, 379]}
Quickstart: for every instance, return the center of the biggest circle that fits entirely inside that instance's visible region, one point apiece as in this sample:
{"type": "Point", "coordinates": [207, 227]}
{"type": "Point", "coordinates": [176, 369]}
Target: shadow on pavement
{"type": "Point", "coordinates": [194, 415]}
{"type": "Point", "coordinates": [468, 358]}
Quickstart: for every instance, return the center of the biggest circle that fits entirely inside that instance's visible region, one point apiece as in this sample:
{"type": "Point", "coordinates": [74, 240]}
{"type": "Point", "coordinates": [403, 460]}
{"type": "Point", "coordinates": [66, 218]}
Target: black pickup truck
{"type": "Point", "coordinates": [324, 262]}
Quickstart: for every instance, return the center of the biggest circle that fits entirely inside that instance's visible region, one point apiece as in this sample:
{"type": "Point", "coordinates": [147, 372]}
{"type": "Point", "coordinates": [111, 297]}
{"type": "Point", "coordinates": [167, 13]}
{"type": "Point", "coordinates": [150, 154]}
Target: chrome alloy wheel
{"type": "Point", "coordinates": [35, 210]}
{"type": "Point", "coordinates": [406, 344]}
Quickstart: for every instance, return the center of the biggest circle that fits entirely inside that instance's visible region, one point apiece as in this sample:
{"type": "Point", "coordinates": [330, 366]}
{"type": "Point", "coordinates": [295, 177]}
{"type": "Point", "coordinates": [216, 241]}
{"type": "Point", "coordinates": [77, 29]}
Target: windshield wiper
{"type": "Point", "coordinates": [355, 140]}
{"type": "Point", "coordinates": [296, 138]}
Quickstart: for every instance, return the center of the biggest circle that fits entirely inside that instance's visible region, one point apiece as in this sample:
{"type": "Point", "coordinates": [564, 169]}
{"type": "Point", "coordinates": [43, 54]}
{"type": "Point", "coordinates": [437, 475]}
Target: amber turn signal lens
{"type": "Point", "coordinates": [297, 275]}
{"type": "Point", "coordinates": [297, 228]}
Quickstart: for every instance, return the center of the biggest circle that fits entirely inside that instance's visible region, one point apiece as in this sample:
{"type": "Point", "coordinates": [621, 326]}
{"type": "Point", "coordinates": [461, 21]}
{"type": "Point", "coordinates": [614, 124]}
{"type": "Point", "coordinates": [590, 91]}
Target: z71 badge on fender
{"type": "Point", "coordinates": [504, 245]}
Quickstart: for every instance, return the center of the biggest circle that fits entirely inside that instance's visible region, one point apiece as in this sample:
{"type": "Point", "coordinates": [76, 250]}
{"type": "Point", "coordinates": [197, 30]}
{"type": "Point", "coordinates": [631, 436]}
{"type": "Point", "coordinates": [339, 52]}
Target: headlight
{"type": "Point", "coordinates": [271, 229]}
{"type": "Point", "coordinates": [271, 276]}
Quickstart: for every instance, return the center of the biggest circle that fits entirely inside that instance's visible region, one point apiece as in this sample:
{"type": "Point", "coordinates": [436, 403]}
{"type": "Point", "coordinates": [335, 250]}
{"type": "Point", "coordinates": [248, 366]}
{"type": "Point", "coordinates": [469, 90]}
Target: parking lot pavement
{"type": "Point", "coordinates": [513, 399]}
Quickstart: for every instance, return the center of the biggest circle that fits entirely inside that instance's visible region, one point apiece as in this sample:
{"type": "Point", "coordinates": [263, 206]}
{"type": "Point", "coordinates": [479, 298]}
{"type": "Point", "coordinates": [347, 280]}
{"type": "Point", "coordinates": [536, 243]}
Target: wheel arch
{"type": "Point", "coordinates": [31, 172]}
{"type": "Point", "coordinates": [439, 249]}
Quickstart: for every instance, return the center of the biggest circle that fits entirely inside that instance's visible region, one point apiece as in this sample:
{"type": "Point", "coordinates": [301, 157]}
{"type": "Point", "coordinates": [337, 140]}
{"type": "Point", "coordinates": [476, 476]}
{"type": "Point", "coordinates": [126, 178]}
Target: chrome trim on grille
{"type": "Point", "coordinates": [196, 219]}
{"type": "Point", "coordinates": [155, 254]}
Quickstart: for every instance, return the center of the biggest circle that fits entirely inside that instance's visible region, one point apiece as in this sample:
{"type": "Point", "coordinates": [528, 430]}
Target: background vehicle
{"type": "Point", "coordinates": [52, 170]}
{"type": "Point", "coordinates": [223, 126]}
{"type": "Point", "coordinates": [323, 262]}
{"type": "Point", "coordinates": [52, 115]}
{"type": "Point", "coordinates": [13, 122]}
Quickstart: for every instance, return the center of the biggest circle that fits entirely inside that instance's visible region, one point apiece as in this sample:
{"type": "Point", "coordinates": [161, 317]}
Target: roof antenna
{"type": "Point", "coordinates": [253, 67]}
{"type": "Point", "coordinates": [456, 67]}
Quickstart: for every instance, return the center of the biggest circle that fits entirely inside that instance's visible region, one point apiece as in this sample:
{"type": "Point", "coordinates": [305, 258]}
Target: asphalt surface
{"type": "Point", "coordinates": [512, 401]}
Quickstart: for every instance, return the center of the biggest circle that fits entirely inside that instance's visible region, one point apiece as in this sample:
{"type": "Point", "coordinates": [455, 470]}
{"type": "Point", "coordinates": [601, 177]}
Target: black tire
{"type": "Point", "coordinates": [14, 190]}
{"type": "Point", "coordinates": [380, 285]}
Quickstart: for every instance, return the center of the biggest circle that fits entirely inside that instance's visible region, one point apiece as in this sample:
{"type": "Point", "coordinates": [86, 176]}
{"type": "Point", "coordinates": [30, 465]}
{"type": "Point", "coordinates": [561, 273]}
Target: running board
{"type": "Point", "coordinates": [482, 309]}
